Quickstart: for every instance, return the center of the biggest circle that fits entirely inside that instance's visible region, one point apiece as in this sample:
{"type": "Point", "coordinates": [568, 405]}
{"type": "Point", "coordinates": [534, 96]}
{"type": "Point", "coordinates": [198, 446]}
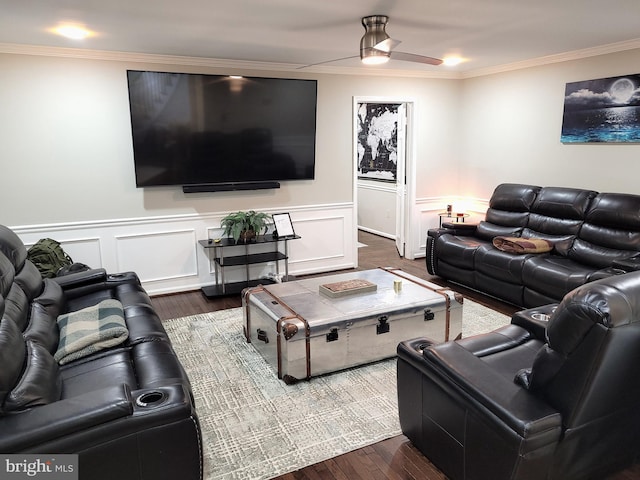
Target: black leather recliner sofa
{"type": "Point", "coordinates": [126, 410]}
{"type": "Point", "coordinates": [525, 402]}
{"type": "Point", "coordinates": [593, 235]}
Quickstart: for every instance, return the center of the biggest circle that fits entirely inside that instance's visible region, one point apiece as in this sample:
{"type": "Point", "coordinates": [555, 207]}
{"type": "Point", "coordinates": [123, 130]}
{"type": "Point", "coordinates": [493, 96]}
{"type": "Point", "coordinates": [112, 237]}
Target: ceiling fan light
{"type": "Point", "coordinates": [375, 58]}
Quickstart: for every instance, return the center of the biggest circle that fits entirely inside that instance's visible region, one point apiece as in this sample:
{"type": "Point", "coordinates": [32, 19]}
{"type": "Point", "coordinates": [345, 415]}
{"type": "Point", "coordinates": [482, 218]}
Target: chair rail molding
{"type": "Point", "coordinates": [165, 253]}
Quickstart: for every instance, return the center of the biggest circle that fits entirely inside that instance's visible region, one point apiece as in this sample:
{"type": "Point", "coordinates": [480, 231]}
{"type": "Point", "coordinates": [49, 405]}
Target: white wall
{"type": "Point", "coordinates": [377, 208]}
{"type": "Point", "coordinates": [511, 129]}
{"type": "Point", "coordinates": [67, 167]}
{"type": "Point", "coordinates": [66, 136]}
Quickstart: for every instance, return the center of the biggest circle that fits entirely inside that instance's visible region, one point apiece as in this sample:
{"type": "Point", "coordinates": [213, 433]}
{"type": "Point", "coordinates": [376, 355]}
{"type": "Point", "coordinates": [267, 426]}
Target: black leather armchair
{"type": "Point", "coordinates": [127, 410]}
{"type": "Point", "coordinates": [524, 402]}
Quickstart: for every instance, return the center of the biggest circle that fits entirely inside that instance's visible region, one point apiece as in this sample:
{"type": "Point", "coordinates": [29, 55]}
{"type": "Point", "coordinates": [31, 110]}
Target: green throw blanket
{"type": "Point", "coordinates": [90, 330]}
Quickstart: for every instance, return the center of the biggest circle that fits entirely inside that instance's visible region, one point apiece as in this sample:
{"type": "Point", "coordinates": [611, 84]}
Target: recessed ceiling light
{"type": "Point", "coordinates": [452, 61]}
{"type": "Point", "coordinates": [75, 32]}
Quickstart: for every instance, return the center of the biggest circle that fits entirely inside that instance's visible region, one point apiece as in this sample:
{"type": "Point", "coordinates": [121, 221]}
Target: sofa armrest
{"type": "Point", "coordinates": [91, 281]}
{"type": "Point", "coordinates": [460, 229]}
{"type": "Point", "coordinates": [465, 229]}
{"type": "Point", "coordinates": [535, 319]}
{"type": "Point", "coordinates": [81, 279]}
{"type": "Point", "coordinates": [42, 424]}
{"type": "Point", "coordinates": [480, 384]}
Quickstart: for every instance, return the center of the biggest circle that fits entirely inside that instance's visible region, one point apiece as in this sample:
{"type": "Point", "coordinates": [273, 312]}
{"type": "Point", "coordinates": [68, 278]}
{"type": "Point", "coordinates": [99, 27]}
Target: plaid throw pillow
{"type": "Point", "coordinates": [90, 330]}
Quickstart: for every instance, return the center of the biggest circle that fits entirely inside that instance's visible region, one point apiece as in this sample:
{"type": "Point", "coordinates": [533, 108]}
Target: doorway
{"type": "Point", "coordinates": [383, 167]}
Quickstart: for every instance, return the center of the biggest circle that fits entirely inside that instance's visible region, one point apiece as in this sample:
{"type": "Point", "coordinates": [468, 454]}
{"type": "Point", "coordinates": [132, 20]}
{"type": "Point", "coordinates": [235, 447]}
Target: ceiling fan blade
{"type": "Point", "coordinates": [327, 61]}
{"type": "Point", "coordinates": [411, 57]}
{"type": "Point", "coordinates": [387, 44]}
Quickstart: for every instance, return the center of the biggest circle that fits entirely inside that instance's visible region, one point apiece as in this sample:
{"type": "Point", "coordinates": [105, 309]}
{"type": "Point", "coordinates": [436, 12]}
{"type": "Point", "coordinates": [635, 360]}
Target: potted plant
{"type": "Point", "coordinates": [245, 225]}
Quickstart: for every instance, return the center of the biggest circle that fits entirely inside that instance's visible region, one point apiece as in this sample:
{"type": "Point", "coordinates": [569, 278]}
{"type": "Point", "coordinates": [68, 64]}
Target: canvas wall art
{"type": "Point", "coordinates": [377, 141]}
{"type": "Point", "coordinates": [606, 110]}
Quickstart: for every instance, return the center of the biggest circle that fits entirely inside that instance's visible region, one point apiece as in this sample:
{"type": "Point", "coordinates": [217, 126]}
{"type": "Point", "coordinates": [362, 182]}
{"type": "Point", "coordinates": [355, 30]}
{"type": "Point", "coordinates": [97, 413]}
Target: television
{"type": "Point", "coordinates": [219, 132]}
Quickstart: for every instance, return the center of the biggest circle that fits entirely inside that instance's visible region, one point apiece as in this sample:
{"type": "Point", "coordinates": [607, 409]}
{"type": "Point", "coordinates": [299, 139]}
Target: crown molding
{"type": "Point", "coordinates": [557, 58]}
{"type": "Point", "coordinates": [117, 56]}
{"type": "Point", "coordinates": [243, 65]}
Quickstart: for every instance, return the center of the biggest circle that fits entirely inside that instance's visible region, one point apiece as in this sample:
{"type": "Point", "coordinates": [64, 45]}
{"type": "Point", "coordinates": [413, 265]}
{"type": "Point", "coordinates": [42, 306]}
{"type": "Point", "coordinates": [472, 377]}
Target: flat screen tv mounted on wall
{"type": "Point", "coordinates": [216, 132]}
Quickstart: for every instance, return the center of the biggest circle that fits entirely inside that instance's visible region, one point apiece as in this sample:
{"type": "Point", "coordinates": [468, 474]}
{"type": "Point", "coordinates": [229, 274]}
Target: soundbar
{"type": "Point", "coordinates": [228, 186]}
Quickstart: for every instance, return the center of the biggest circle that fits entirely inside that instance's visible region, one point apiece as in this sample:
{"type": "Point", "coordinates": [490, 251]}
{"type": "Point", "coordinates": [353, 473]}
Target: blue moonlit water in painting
{"type": "Point", "coordinates": [604, 110]}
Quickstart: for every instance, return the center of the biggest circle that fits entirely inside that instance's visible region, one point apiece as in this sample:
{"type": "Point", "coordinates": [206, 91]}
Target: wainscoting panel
{"type": "Point", "coordinates": [327, 239]}
{"type": "Point", "coordinates": [84, 250]}
{"type": "Point", "coordinates": [158, 256]}
{"type": "Point", "coordinates": [165, 253]}
{"type": "Point", "coordinates": [377, 208]}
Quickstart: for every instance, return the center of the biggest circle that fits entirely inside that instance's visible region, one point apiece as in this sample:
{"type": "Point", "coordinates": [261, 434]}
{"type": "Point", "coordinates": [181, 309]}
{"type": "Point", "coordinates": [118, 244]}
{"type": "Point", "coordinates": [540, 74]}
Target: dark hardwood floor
{"type": "Point", "coordinates": [392, 459]}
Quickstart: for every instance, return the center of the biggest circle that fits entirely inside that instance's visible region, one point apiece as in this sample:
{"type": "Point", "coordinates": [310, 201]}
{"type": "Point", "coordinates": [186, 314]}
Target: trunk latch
{"type": "Point", "coordinates": [262, 335]}
{"type": "Point", "coordinates": [383, 326]}
{"type": "Point", "coordinates": [332, 336]}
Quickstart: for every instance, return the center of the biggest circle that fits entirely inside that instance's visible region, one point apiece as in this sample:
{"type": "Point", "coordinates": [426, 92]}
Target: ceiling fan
{"type": "Point", "coordinates": [377, 47]}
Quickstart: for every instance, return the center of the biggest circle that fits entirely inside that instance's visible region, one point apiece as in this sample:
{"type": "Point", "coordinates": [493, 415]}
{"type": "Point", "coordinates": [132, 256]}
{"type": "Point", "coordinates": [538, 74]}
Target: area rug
{"type": "Point", "coordinates": [256, 427]}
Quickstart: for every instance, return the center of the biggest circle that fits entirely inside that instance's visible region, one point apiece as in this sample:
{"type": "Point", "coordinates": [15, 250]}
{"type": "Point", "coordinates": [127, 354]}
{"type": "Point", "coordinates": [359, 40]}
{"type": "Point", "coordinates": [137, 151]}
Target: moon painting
{"type": "Point", "coordinates": [606, 110]}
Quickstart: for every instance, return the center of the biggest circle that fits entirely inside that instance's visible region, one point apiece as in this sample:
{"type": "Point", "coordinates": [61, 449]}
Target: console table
{"type": "Point", "coordinates": [216, 252]}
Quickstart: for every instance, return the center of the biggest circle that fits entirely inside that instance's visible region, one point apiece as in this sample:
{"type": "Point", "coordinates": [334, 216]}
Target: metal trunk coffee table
{"type": "Point", "coordinates": [319, 325]}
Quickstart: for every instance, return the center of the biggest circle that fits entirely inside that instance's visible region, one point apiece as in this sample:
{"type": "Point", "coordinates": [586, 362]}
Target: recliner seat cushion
{"type": "Point", "coordinates": [102, 370]}
{"type": "Point", "coordinates": [554, 275]}
{"type": "Point", "coordinates": [458, 250]}
{"type": "Point", "coordinates": [500, 265]}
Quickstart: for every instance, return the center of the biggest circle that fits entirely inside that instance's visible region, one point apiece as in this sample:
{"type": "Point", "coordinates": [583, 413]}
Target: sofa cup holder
{"type": "Point", "coordinates": [151, 399]}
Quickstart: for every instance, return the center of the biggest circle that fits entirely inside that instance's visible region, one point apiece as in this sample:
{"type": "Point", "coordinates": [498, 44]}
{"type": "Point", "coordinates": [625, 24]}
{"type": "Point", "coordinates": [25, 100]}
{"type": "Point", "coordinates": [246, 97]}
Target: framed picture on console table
{"type": "Point", "coordinates": [283, 225]}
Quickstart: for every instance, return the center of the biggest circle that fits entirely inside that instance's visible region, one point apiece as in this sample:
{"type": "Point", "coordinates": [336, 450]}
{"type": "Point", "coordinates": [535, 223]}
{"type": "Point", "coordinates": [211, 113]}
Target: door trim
{"type": "Point", "coordinates": [410, 168]}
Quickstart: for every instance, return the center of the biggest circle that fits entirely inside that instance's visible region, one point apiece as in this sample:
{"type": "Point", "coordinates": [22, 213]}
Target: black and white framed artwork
{"type": "Point", "coordinates": [377, 146]}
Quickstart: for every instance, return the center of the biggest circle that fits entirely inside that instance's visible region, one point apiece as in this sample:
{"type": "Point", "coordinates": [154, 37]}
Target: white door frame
{"type": "Point", "coordinates": [410, 169]}
{"type": "Point", "coordinates": [401, 187]}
